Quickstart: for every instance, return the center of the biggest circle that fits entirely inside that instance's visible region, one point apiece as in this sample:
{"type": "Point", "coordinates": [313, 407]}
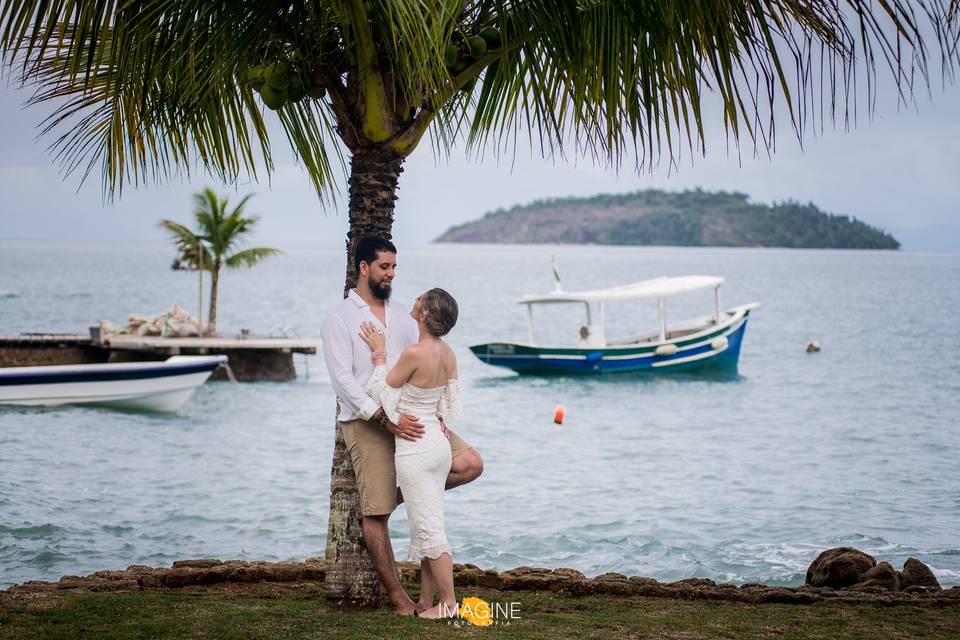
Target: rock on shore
{"type": "Point", "coordinates": [849, 568]}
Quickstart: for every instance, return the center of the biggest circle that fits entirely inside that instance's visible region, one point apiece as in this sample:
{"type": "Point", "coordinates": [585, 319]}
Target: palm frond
{"type": "Point", "coordinates": [189, 245]}
{"type": "Point", "coordinates": [250, 257]}
{"type": "Point", "coordinates": [153, 85]}
{"type": "Point", "coordinates": [154, 89]}
{"type": "Point", "coordinates": [309, 128]}
{"type": "Point", "coordinates": [612, 76]}
{"type": "Point", "coordinates": [179, 232]}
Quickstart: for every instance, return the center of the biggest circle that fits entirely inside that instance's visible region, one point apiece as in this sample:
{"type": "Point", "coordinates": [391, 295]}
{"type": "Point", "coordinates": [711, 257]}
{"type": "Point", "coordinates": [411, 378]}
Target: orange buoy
{"type": "Point", "coordinates": [558, 414]}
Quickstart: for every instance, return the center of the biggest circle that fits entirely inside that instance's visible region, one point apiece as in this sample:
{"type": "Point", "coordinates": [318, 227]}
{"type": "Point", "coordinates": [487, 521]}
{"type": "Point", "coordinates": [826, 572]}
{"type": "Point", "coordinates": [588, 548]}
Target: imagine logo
{"type": "Point", "coordinates": [480, 613]}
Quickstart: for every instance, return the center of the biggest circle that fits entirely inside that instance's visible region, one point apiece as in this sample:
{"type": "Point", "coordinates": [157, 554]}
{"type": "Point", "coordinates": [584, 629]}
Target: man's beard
{"type": "Point", "coordinates": [378, 291]}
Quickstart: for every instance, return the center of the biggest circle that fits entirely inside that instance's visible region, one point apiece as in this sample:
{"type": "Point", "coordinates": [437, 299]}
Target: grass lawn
{"type": "Point", "coordinates": [300, 611]}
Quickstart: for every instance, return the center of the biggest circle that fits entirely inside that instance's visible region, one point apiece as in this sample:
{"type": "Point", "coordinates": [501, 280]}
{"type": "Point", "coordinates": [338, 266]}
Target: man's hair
{"type": "Point", "coordinates": [441, 310]}
{"type": "Point", "coordinates": [368, 248]}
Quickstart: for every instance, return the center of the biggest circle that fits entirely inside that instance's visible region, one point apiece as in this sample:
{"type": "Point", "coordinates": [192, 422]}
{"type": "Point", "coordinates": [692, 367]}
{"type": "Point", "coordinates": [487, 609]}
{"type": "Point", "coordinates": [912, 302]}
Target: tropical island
{"type": "Point", "coordinates": [693, 218]}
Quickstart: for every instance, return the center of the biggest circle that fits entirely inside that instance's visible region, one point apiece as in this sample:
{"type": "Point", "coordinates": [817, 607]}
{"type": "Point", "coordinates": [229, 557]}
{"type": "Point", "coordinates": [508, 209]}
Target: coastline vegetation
{"type": "Point", "coordinates": [693, 218]}
{"type": "Point", "coordinates": [300, 611]}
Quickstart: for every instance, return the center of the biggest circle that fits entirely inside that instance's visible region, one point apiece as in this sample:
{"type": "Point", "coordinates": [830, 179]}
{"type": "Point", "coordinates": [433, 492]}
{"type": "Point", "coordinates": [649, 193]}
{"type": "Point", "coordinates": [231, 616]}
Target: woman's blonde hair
{"type": "Point", "coordinates": [440, 311]}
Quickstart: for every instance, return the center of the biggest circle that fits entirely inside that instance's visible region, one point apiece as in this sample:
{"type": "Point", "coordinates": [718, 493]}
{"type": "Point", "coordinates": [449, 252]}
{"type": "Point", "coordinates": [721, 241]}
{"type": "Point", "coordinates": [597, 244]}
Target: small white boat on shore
{"type": "Point", "coordinates": [163, 385]}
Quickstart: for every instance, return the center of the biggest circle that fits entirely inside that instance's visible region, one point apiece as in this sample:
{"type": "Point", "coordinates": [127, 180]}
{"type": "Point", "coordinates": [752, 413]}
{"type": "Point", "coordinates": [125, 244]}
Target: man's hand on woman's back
{"type": "Point", "coordinates": [408, 429]}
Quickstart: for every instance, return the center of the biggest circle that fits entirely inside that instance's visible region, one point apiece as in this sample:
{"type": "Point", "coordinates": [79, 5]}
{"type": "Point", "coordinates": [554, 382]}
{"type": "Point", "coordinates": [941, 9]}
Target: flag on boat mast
{"type": "Point", "coordinates": [556, 274]}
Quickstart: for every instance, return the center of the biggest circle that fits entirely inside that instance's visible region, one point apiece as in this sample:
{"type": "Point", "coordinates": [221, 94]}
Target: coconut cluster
{"type": "Point", "coordinates": [278, 83]}
{"type": "Point", "coordinates": [463, 51]}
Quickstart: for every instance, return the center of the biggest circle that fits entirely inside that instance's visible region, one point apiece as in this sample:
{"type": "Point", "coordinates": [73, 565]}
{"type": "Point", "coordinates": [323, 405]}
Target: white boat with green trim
{"type": "Point", "coordinates": [709, 341]}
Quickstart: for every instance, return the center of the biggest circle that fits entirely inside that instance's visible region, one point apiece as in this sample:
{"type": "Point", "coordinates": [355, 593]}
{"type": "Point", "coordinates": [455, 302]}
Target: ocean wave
{"type": "Point", "coordinates": [941, 574]}
{"type": "Point", "coordinates": [117, 530]}
{"type": "Point", "coordinates": [33, 532]}
{"type": "Point", "coordinates": [45, 558]}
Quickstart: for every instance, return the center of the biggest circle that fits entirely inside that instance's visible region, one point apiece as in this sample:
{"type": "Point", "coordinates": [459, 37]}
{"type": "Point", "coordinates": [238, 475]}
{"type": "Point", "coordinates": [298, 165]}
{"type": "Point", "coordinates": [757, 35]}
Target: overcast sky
{"type": "Point", "coordinates": [900, 172]}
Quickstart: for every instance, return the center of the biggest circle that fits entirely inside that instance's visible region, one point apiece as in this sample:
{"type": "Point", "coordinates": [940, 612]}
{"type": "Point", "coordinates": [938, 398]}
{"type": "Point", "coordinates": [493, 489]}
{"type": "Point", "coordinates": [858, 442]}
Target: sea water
{"type": "Point", "coordinates": [737, 477]}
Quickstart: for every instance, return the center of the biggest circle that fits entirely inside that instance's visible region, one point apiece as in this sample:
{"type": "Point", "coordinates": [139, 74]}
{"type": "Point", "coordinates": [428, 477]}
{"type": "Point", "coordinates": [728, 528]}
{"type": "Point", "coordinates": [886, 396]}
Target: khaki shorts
{"type": "Point", "coordinates": [371, 449]}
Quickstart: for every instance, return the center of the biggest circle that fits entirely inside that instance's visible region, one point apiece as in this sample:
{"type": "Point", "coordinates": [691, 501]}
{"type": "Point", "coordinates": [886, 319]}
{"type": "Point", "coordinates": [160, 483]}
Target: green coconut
{"type": "Point", "coordinates": [317, 92]}
{"type": "Point", "coordinates": [277, 75]}
{"type": "Point", "coordinates": [450, 54]}
{"type": "Point", "coordinates": [460, 66]}
{"type": "Point", "coordinates": [273, 98]}
{"type": "Point", "coordinates": [478, 46]}
{"type": "Point", "coordinates": [491, 36]}
{"type": "Point", "coordinates": [253, 76]}
{"type": "Point", "coordinates": [296, 91]}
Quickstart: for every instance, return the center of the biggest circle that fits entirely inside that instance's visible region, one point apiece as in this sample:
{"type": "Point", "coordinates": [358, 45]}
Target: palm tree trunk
{"type": "Point", "coordinates": [351, 579]}
{"type": "Point", "coordinates": [350, 576]}
{"type": "Point", "coordinates": [374, 173]}
{"type": "Point", "coordinates": [200, 301]}
{"type": "Point", "coordinates": [214, 281]}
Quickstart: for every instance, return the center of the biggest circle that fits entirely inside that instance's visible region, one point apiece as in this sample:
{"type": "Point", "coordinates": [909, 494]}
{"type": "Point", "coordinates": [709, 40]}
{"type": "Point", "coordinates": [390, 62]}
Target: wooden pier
{"type": "Point", "coordinates": [250, 358]}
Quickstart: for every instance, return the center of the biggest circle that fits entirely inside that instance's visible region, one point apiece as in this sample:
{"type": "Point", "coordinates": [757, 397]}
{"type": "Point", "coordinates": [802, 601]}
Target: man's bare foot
{"type": "Point", "coordinates": [442, 610]}
{"type": "Point", "coordinates": [423, 606]}
{"type": "Point", "coordinates": [403, 606]}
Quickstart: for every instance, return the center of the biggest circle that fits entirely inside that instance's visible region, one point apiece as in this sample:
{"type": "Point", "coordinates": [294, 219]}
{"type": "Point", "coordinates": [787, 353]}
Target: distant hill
{"type": "Point", "coordinates": [688, 218]}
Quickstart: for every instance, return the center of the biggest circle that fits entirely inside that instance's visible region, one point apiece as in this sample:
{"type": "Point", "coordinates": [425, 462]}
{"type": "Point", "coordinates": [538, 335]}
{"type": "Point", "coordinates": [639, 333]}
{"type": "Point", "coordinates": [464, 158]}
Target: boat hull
{"type": "Point", "coordinates": [710, 349]}
{"type": "Point", "coordinates": [149, 386]}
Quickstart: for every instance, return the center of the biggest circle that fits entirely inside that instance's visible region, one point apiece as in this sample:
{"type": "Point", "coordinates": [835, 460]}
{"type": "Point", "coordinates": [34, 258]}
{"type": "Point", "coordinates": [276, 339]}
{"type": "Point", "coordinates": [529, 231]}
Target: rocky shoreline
{"type": "Point", "coordinates": [835, 566]}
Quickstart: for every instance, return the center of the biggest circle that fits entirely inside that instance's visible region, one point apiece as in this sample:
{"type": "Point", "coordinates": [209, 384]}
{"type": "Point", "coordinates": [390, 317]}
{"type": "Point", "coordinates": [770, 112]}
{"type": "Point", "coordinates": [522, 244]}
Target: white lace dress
{"type": "Point", "coordinates": [423, 464]}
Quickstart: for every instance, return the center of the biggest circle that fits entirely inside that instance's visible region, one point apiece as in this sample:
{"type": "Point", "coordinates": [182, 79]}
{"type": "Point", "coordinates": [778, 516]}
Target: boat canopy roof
{"type": "Point", "coordinates": [656, 288]}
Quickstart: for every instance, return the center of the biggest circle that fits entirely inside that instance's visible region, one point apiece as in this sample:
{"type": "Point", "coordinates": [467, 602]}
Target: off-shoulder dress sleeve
{"type": "Point", "coordinates": [383, 393]}
{"type": "Point", "coordinates": [450, 406]}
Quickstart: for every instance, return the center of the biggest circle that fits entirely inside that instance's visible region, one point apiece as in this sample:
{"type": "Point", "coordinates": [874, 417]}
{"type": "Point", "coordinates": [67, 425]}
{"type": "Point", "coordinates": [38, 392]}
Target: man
{"type": "Point", "coordinates": [367, 433]}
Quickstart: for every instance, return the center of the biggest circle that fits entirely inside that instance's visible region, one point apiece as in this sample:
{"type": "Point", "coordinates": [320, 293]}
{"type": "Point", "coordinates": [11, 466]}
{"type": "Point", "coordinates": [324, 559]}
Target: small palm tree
{"type": "Point", "coordinates": [219, 233]}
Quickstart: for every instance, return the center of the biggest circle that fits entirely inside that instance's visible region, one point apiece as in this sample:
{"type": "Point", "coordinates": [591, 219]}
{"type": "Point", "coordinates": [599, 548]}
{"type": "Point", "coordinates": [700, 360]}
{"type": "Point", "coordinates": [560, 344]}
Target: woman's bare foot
{"type": "Point", "coordinates": [441, 610]}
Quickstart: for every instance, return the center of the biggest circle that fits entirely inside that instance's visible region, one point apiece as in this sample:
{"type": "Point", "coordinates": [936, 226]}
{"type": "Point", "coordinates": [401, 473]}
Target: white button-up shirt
{"type": "Point", "coordinates": [348, 357]}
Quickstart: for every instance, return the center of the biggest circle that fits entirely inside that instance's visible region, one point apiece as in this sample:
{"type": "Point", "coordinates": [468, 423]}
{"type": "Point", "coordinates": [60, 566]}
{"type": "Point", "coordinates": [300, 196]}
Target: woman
{"type": "Point", "coordinates": [423, 383]}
